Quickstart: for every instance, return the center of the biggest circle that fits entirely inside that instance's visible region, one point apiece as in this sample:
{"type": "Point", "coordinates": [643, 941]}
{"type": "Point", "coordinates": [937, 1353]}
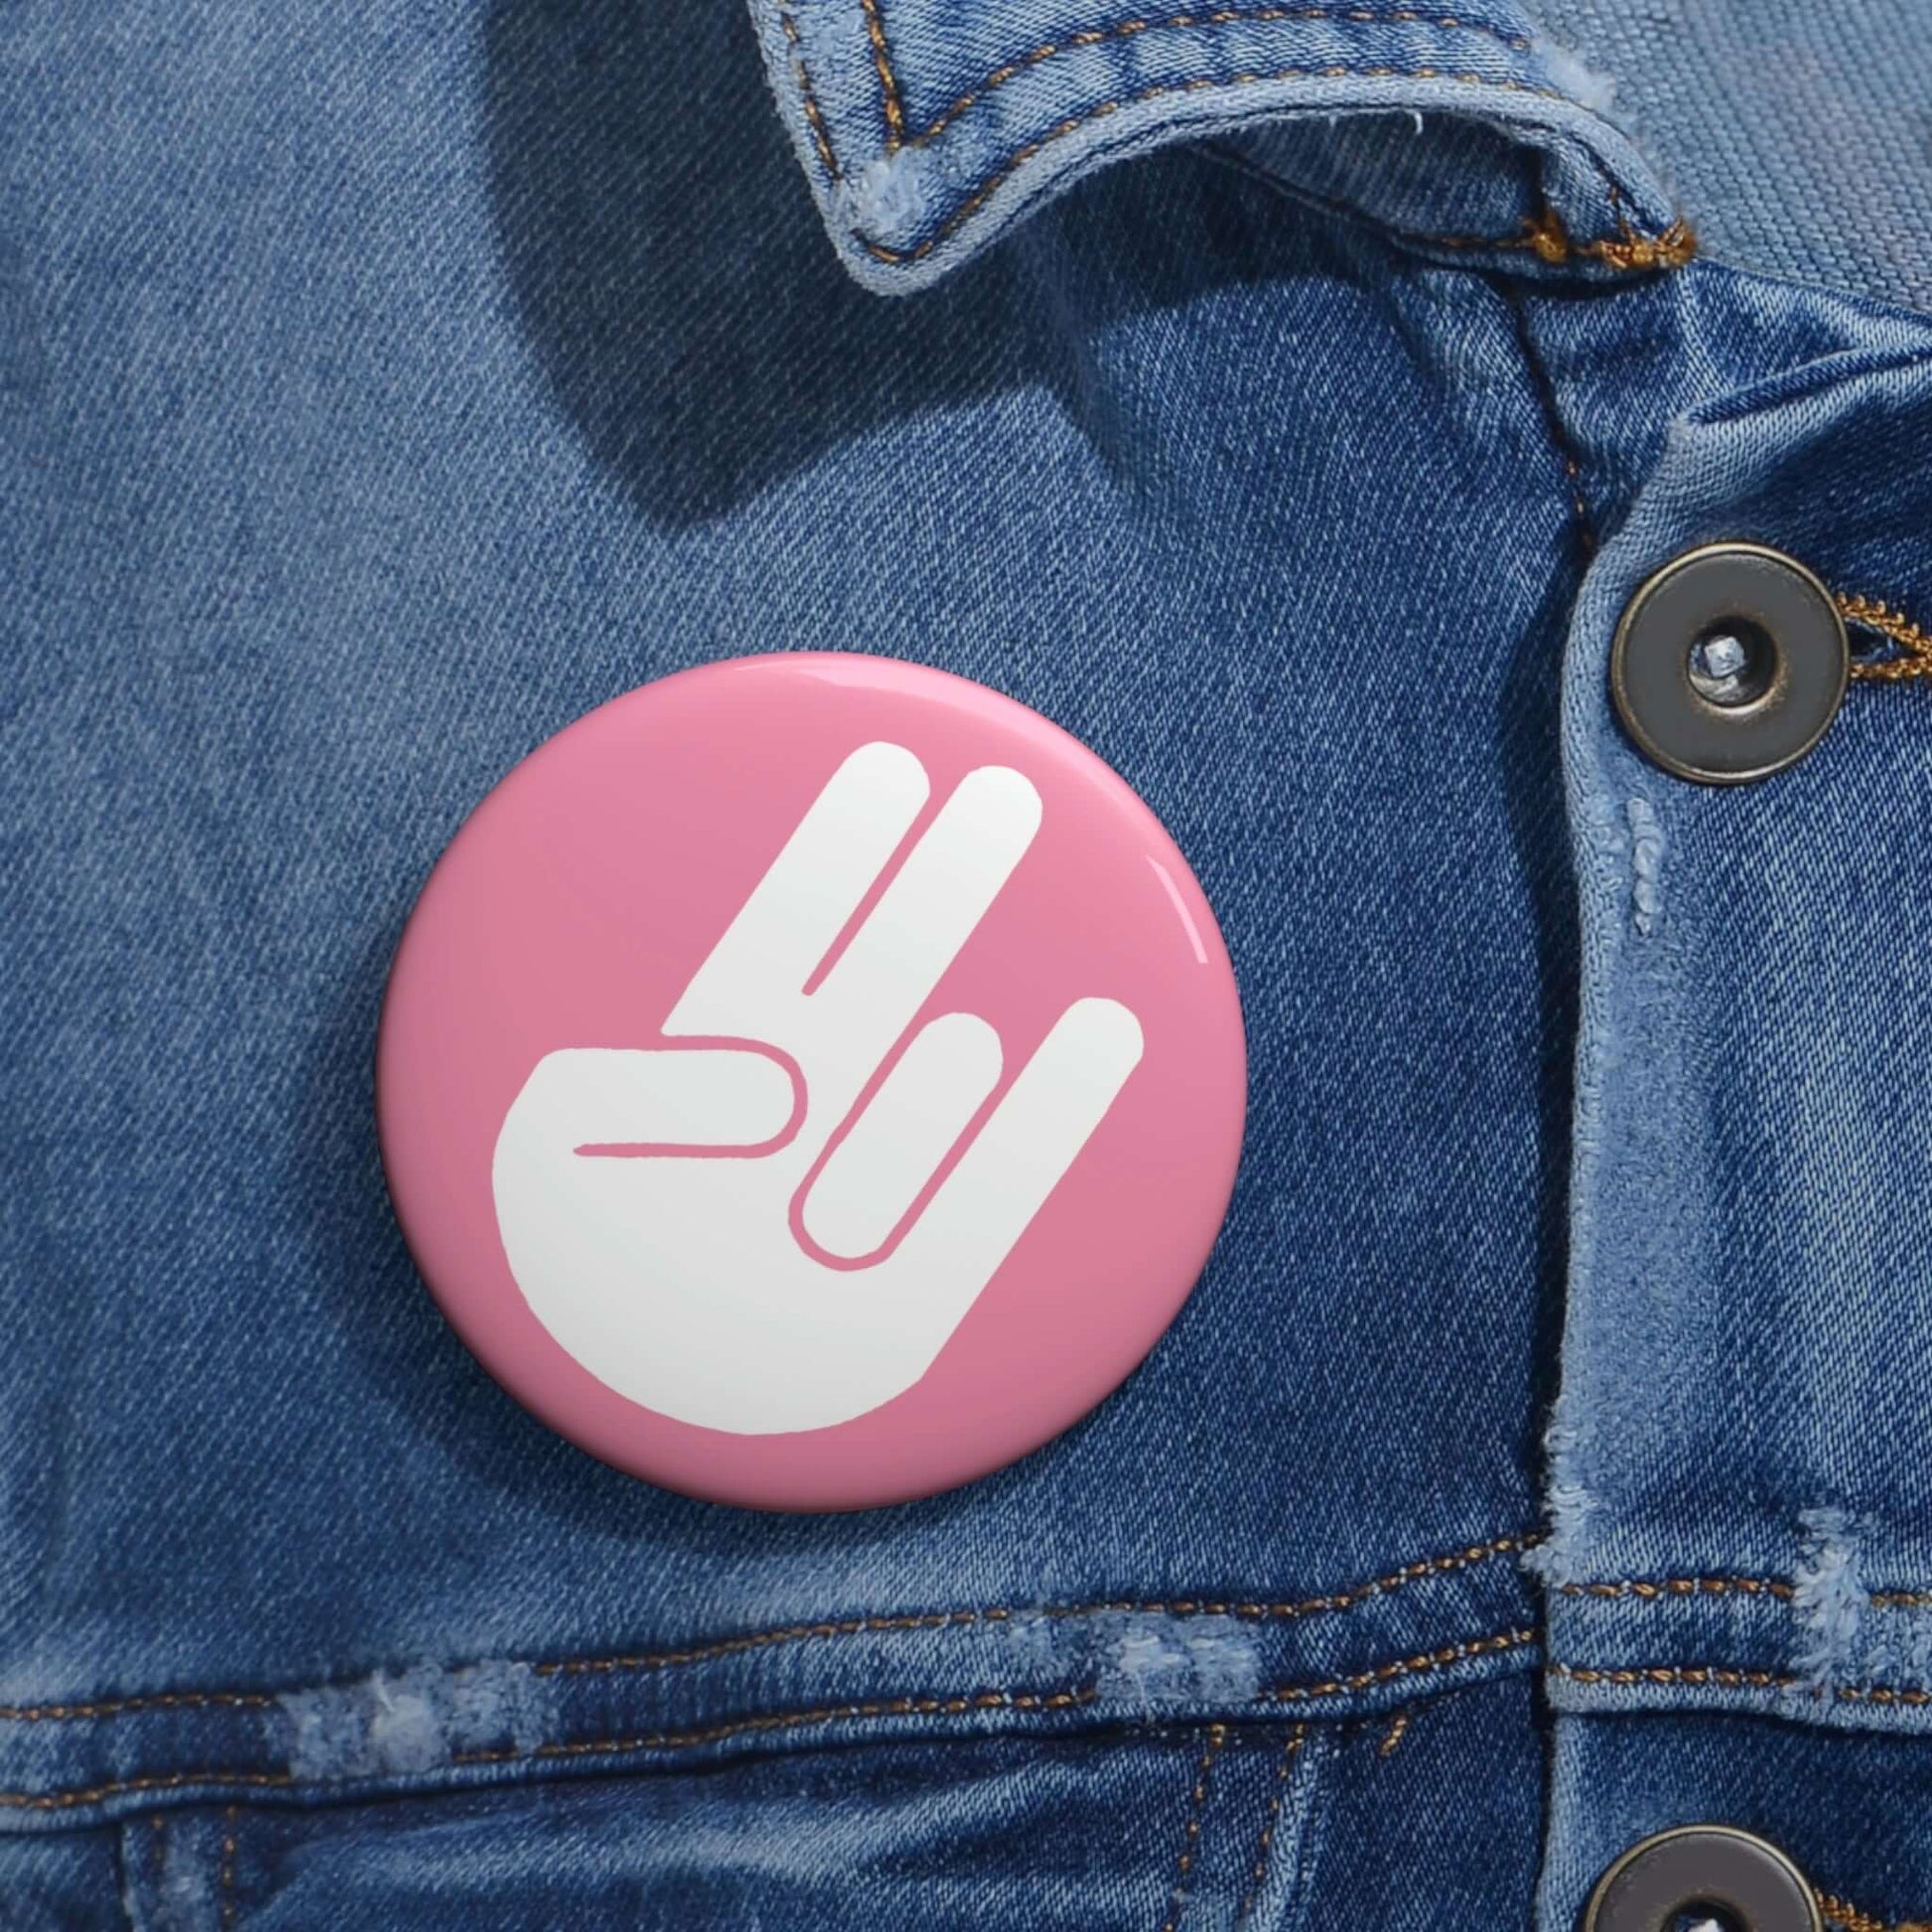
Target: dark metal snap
{"type": "Point", "coordinates": [1729, 663]}
{"type": "Point", "coordinates": [1744, 1884]}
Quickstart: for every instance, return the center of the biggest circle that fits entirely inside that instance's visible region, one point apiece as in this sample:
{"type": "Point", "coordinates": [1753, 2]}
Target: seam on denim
{"type": "Point", "coordinates": [1872, 614]}
{"type": "Point", "coordinates": [1655, 1589]}
{"type": "Point", "coordinates": [821, 136]}
{"type": "Point", "coordinates": [165, 1781]}
{"type": "Point", "coordinates": [118, 1707]}
{"type": "Point", "coordinates": [31, 1714]}
{"type": "Point", "coordinates": [1398, 1730]}
{"type": "Point", "coordinates": [1218, 1735]}
{"type": "Point", "coordinates": [1554, 427]}
{"type": "Point", "coordinates": [587, 1748]}
{"type": "Point", "coordinates": [1727, 1677]}
{"type": "Point", "coordinates": [1848, 1918]}
{"type": "Point", "coordinates": [901, 1707]}
{"type": "Point", "coordinates": [1625, 1676]}
{"type": "Point", "coordinates": [1194, 21]}
{"type": "Point", "coordinates": [1334, 1603]}
{"type": "Point", "coordinates": [1205, 84]}
{"type": "Point", "coordinates": [881, 61]}
{"type": "Point", "coordinates": [1537, 233]}
{"type": "Point", "coordinates": [1546, 235]}
{"type": "Point", "coordinates": [770, 1639]}
{"type": "Point", "coordinates": [1433, 1660]}
{"type": "Point", "coordinates": [227, 1865]}
{"type": "Point", "coordinates": [1628, 251]}
{"type": "Point", "coordinates": [1534, 234]}
{"type": "Point", "coordinates": [1258, 1871]}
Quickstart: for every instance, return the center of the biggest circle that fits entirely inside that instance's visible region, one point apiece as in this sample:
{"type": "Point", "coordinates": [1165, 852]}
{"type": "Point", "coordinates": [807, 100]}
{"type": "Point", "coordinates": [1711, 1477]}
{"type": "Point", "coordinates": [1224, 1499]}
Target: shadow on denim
{"type": "Point", "coordinates": [678, 289]}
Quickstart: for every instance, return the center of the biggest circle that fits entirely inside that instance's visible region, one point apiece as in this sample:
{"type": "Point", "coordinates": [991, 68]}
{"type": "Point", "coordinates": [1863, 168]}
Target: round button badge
{"type": "Point", "coordinates": [811, 1081]}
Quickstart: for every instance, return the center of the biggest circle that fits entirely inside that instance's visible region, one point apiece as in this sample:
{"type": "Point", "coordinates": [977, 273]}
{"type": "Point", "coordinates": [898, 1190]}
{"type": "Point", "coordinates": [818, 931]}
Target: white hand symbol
{"type": "Point", "coordinates": [671, 1214]}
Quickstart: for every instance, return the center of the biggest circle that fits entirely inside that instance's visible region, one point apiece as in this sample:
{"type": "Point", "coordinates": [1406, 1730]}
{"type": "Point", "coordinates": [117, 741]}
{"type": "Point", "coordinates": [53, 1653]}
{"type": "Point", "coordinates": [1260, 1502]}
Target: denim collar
{"type": "Point", "coordinates": [927, 127]}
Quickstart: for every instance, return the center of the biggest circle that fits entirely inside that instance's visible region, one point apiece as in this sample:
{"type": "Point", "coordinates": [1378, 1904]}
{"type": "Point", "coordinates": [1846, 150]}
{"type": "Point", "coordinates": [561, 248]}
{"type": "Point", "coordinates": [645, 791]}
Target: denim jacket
{"type": "Point", "coordinates": [1285, 400]}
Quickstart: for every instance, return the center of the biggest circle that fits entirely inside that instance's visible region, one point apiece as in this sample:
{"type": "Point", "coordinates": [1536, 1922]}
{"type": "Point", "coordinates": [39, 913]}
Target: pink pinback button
{"type": "Point", "coordinates": [811, 1081]}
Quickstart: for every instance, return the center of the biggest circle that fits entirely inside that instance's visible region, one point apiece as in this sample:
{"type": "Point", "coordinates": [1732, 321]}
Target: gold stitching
{"type": "Point", "coordinates": [1578, 503]}
{"type": "Point", "coordinates": [1258, 1877]}
{"type": "Point", "coordinates": [1649, 1591]}
{"type": "Point", "coordinates": [881, 61]}
{"type": "Point", "coordinates": [1731, 1678]}
{"type": "Point", "coordinates": [1190, 1838]}
{"type": "Point", "coordinates": [1849, 1917]}
{"type": "Point", "coordinates": [1628, 251]}
{"type": "Point", "coordinates": [1623, 1676]}
{"type": "Point", "coordinates": [1397, 1731]}
{"type": "Point", "coordinates": [173, 1781]}
{"type": "Point", "coordinates": [227, 1867]}
{"type": "Point", "coordinates": [1333, 1603]}
{"type": "Point", "coordinates": [821, 138]}
{"type": "Point", "coordinates": [660, 1740]}
{"type": "Point", "coordinates": [1631, 252]}
{"type": "Point", "coordinates": [1534, 233]}
{"type": "Point", "coordinates": [1554, 425]}
{"type": "Point", "coordinates": [1917, 662]}
{"type": "Point", "coordinates": [907, 1707]}
{"type": "Point", "coordinates": [1220, 17]}
{"type": "Point", "coordinates": [1433, 1660]}
{"type": "Point", "coordinates": [1654, 1589]}
{"type": "Point", "coordinates": [117, 1707]}
{"type": "Point", "coordinates": [1546, 234]}
{"type": "Point", "coordinates": [917, 1706]}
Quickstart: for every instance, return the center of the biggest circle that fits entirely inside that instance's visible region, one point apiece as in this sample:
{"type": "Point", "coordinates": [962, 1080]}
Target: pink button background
{"type": "Point", "coordinates": [573, 908]}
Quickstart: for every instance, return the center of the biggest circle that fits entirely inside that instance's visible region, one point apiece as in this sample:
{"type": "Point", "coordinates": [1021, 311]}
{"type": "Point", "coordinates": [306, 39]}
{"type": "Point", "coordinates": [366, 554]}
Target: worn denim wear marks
{"type": "Point", "coordinates": [925, 133]}
{"type": "Point", "coordinates": [380, 396]}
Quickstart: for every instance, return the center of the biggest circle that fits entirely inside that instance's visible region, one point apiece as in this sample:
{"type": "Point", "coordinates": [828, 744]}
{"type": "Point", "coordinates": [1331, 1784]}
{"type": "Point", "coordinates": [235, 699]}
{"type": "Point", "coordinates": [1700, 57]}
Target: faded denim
{"type": "Point", "coordinates": [381, 394]}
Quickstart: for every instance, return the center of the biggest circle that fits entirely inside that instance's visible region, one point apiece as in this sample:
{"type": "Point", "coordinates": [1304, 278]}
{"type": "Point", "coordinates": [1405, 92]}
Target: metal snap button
{"type": "Point", "coordinates": [1729, 663]}
{"type": "Point", "coordinates": [1710, 1870]}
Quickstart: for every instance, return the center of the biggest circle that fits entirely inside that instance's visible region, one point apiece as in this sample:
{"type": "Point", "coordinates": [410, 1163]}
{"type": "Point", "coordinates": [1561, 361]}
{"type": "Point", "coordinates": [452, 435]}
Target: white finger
{"type": "Point", "coordinates": [929, 910]}
{"type": "Point", "coordinates": [811, 889]}
{"type": "Point", "coordinates": [907, 1129]}
{"type": "Point", "coordinates": [1029, 1142]}
{"type": "Point", "coordinates": [616, 1100]}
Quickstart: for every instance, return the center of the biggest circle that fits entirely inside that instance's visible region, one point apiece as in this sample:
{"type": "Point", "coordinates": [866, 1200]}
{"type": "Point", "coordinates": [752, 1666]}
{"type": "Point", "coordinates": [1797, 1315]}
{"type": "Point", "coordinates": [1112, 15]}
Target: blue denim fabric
{"type": "Point", "coordinates": [1796, 128]}
{"type": "Point", "coordinates": [925, 144]}
{"type": "Point", "coordinates": [382, 394]}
